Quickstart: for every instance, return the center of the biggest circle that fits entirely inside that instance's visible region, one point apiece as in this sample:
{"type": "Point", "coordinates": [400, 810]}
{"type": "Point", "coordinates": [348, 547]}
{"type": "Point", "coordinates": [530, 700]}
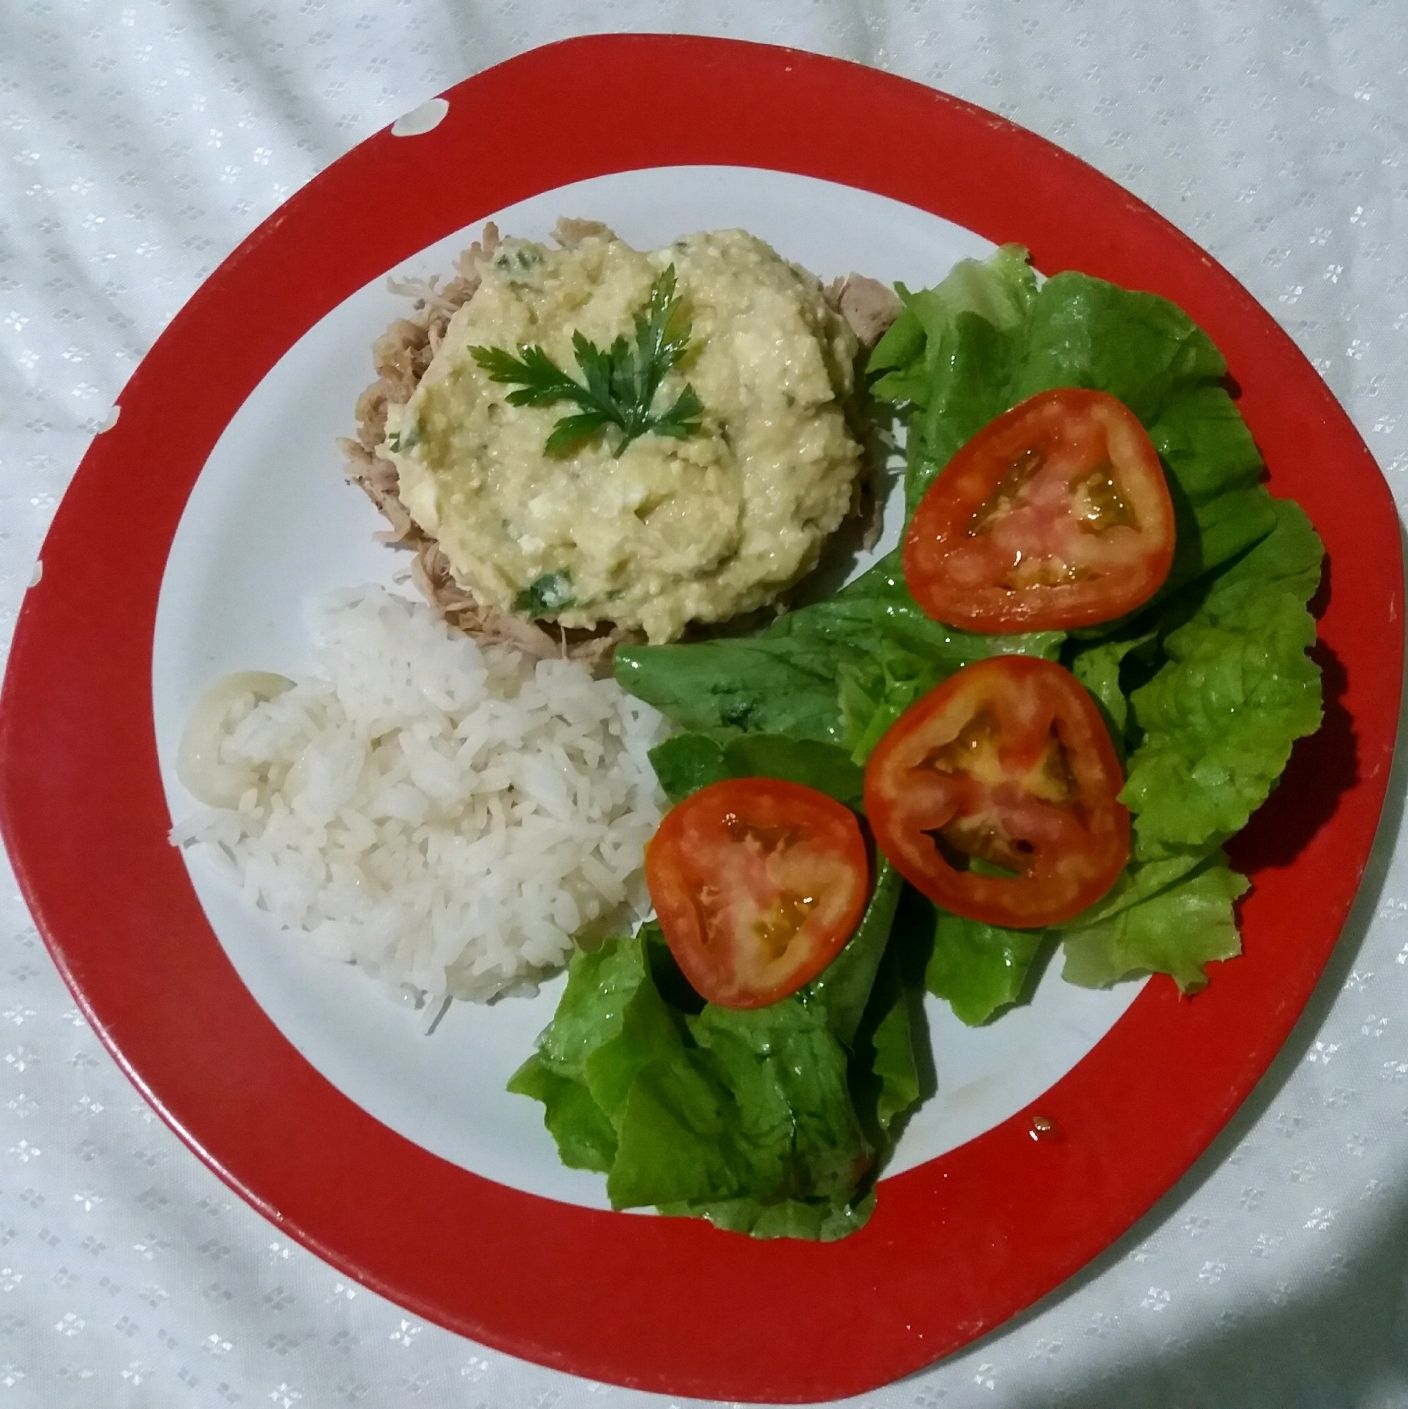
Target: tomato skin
{"type": "Point", "coordinates": [757, 884]}
{"type": "Point", "coordinates": [1055, 515]}
{"type": "Point", "coordinates": [1007, 761]}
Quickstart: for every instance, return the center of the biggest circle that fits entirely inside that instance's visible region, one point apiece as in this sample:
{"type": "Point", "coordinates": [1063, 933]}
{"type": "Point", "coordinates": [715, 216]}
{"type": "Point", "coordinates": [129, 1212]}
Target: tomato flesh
{"type": "Point", "coordinates": [997, 795]}
{"type": "Point", "coordinates": [1054, 515]}
{"type": "Point", "coordinates": [757, 884]}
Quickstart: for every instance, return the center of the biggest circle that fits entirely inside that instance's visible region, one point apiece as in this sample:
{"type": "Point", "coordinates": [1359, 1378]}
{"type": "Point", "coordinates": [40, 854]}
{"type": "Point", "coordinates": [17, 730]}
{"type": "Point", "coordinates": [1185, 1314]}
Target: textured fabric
{"type": "Point", "coordinates": [140, 142]}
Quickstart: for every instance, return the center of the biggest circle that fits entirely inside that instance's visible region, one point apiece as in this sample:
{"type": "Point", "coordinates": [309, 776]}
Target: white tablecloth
{"type": "Point", "coordinates": [140, 141]}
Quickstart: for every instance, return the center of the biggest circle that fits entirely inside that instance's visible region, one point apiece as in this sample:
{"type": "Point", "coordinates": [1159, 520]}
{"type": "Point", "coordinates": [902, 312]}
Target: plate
{"type": "Point", "coordinates": [194, 524]}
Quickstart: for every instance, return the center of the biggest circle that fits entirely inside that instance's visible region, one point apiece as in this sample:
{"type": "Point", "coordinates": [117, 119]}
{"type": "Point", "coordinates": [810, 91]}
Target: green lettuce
{"type": "Point", "coordinates": [686, 762]}
{"type": "Point", "coordinates": [979, 969]}
{"type": "Point", "coordinates": [789, 679]}
{"type": "Point", "coordinates": [772, 1121]}
{"type": "Point", "coordinates": [1177, 931]}
{"type": "Point", "coordinates": [1219, 718]}
{"type": "Point", "coordinates": [1207, 687]}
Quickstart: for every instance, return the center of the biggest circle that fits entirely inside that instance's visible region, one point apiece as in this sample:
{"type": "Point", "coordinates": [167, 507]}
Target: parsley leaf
{"type": "Point", "coordinates": [552, 592]}
{"type": "Point", "coordinates": [619, 384]}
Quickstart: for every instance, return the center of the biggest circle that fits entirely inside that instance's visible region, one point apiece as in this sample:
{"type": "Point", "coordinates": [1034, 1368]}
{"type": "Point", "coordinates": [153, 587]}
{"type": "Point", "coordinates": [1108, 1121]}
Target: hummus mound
{"type": "Point", "coordinates": [607, 542]}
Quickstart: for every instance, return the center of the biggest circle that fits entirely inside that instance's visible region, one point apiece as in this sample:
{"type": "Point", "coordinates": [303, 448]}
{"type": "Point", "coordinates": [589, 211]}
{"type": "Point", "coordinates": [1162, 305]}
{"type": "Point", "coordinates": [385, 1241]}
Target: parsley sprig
{"type": "Point", "coordinates": [618, 385]}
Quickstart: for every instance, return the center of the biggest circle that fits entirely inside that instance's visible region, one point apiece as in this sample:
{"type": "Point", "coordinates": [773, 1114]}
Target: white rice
{"type": "Point", "coordinates": [446, 814]}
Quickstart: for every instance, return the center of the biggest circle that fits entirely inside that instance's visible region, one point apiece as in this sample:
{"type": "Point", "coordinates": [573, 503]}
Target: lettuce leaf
{"type": "Point", "coordinates": [1218, 720]}
{"type": "Point", "coordinates": [755, 1104]}
{"type": "Point", "coordinates": [686, 762]}
{"type": "Point", "coordinates": [915, 358]}
{"type": "Point", "coordinates": [1177, 930]}
{"type": "Point", "coordinates": [789, 679]}
{"type": "Point", "coordinates": [979, 969]}
{"type": "Point", "coordinates": [772, 1121]}
{"type": "Point", "coordinates": [765, 684]}
{"type": "Point", "coordinates": [1099, 666]}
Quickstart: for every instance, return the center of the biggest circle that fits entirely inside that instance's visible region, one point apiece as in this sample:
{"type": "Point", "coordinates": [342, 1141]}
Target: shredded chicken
{"type": "Point", "coordinates": [866, 304]}
{"type": "Point", "coordinates": [401, 356]}
{"type": "Point", "coordinates": [403, 352]}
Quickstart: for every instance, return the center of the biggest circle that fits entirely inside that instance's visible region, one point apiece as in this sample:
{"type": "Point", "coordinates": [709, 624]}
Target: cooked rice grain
{"type": "Point", "coordinates": [445, 813]}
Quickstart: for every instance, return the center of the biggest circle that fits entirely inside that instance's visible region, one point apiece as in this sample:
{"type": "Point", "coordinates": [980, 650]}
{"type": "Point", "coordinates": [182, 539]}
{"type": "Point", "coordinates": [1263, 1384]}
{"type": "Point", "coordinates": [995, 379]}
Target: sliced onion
{"type": "Point", "coordinates": [198, 762]}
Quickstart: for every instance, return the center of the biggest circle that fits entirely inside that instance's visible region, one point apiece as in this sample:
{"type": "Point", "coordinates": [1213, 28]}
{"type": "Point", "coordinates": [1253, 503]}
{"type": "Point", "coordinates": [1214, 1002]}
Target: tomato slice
{"type": "Point", "coordinates": [757, 884]}
{"type": "Point", "coordinates": [997, 795]}
{"type": "Point", "coordinates": [1054, 515]}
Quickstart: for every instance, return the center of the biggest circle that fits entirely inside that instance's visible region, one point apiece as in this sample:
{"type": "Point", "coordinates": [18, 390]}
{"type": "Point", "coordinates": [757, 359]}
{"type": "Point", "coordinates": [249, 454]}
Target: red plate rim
{"type": "Point", "coordinates": [956, 1245]}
